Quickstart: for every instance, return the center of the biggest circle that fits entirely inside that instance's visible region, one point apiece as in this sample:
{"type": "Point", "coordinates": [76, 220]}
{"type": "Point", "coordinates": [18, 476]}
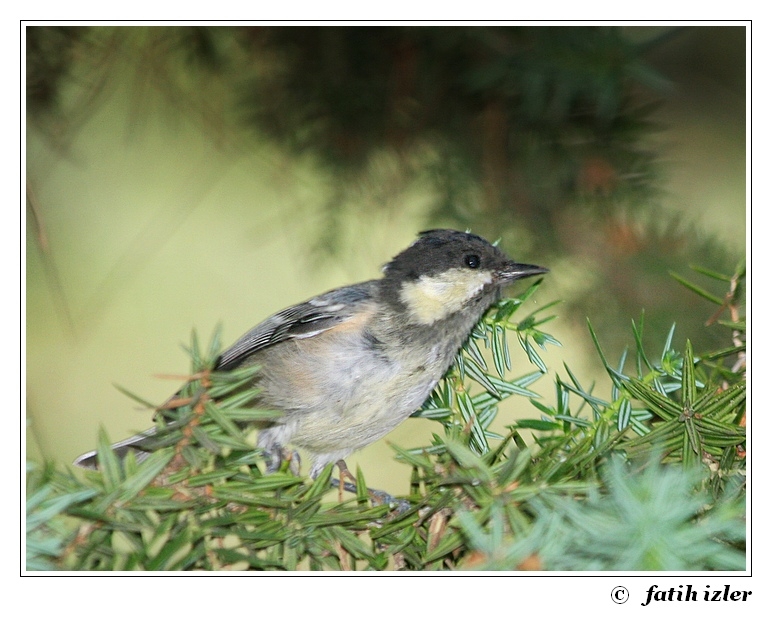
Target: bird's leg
{"type": "Point", "coordinates": [351, 487]}
{"type": "Point", "coordinates": [294, 461]}
{"type": "Point", "coordinates": [377, 497]}
{"type": "Point", "coordinates": [275, 455]}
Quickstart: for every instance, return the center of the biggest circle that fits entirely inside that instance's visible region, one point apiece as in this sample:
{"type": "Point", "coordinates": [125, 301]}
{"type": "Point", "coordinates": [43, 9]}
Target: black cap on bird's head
{"type": "Point", "coordinates": [439, 250]}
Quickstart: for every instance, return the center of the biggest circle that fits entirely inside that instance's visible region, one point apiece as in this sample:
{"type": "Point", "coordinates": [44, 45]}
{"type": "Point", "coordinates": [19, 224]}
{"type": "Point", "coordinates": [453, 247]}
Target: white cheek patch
{"type": "Point", "coordinates": [431, 298]}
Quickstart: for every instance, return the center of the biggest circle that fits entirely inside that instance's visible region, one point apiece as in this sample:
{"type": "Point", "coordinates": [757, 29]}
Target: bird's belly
{"type": "Point", "coordinates": [360, 419]}
{"type": "Point", "coordinates": [347, 402]}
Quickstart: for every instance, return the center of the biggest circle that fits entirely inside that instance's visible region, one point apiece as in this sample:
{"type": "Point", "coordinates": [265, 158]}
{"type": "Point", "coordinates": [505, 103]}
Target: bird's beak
{"type": "Point", "coordinates": [513, 271]}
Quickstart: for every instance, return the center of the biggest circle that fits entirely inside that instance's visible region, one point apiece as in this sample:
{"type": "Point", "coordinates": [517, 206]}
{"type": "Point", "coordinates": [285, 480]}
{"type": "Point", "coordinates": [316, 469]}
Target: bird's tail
{"type": "Point", "coordinates": [121, 449]}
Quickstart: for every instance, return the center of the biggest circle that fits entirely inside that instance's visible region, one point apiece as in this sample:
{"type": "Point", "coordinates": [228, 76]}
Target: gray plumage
{"type": "Point", "coordinates": [349, 365]}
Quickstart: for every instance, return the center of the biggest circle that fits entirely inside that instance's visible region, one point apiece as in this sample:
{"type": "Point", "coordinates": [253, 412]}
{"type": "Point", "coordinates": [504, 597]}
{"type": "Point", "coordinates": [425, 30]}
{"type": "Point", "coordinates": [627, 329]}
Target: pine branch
{"type": "Point", "coordinates": [591, 480]}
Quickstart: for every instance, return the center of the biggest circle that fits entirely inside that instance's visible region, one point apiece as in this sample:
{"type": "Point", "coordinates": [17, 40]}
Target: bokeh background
{"type": "Point", "coordinates": [181, 177]}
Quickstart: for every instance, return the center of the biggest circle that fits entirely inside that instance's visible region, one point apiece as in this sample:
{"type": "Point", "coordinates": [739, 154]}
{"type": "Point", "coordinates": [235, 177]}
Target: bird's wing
{"type": "Point", "coordinates": [300, 321]}
{"type": "Point", "coordinates": [303, 320]}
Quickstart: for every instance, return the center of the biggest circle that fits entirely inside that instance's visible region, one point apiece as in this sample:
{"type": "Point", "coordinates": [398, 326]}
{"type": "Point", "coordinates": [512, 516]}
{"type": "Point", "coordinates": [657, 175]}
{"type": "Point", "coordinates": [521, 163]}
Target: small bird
{"type": "Point", "coordinates": [347, 366]}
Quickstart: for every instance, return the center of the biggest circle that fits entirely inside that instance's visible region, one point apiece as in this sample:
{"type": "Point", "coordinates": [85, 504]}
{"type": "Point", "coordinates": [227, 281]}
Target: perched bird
{"type": "Point", "coordinates": [347, 366]}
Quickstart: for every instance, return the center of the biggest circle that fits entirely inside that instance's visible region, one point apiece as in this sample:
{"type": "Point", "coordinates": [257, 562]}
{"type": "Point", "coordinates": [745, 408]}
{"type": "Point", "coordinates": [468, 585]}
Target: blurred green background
{"type": "Point", "coordinates": [181, 177]}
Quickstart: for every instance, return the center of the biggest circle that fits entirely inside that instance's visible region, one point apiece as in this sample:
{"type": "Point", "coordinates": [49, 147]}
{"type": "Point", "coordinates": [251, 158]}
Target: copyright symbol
{"type": "Point", "coordinates": [619, 595]}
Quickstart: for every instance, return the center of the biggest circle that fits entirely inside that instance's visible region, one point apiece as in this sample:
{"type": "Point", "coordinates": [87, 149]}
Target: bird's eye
{"type": "Point", "coordinates": [472, 260]}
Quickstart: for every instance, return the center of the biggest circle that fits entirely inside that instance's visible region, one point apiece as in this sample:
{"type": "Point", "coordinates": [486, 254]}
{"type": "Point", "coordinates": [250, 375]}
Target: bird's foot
{"type": "Point", "coordinates": [377, 497]}
{"type": "Point", "coordinates": [277, 456]}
